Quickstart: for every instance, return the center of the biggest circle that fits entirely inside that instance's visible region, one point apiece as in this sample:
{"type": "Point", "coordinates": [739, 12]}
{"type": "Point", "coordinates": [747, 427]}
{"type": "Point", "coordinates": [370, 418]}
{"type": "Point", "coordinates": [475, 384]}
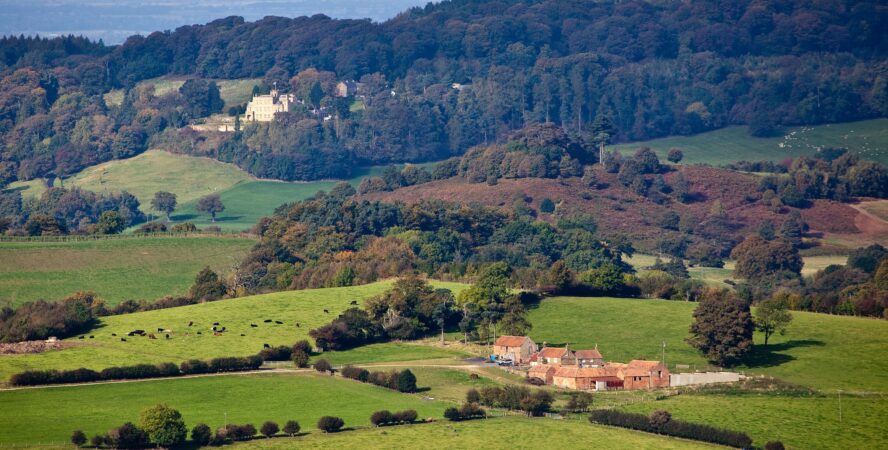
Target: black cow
{"type": "Point", "coordinates": [113, 334]}
{"type": "Point", "coordinates": [297, 324]}
{"type": "Point", "coordinates": [254, 325]}
{"type": "Point", "coordinates": [242, 335]}
{"type": "Point", "coordinates": [123, 339]}
{"type": "Point", "coordinates": [278, 322]}
{"type": "Point", "coordinates": [199, 332]}
{"type": "Point", "coordinates": [354, 302]}
{"type": "Point", "coordinates": [326, 312]}
{"type": "Point", "coordinates": [160, 329]}
{"type": "Point", "coordinates": [267, 320]}
{"type": "Point", "coordinates": [80, 337]}
{"type": "Point", "coordinates": [215, 323]}
{"type": "Point", "coordinates": [168, 336]}
{"type": "Point", "coordinates": [190, 323]}
{"type": "Point", "coordinates": [92, 337]}
{"type": "Point", "coordinates": [266, 346]}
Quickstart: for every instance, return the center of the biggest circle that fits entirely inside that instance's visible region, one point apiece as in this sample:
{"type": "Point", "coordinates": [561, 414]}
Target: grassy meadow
{"type": "Point", "coordinates": [513, 432]}
{"type": "Point", "coordinates": [305, 307]}
{"type": "Point", "coordinates": [188, 177]}
{"type": "Point", "coordinates": [818, 350]}
{"type": "Point", "coordinates": [233, 92]}
{"type": "Point", "coordinates": [715, 276]}
{"type": "Point", "coordinates": [868, 138]}
{"type": "Point", "coordinates": [799, 422]}
{"type": "Point", "coordinates": [240, 399]}
{"type": "Point", "coordinates": [116, 269]}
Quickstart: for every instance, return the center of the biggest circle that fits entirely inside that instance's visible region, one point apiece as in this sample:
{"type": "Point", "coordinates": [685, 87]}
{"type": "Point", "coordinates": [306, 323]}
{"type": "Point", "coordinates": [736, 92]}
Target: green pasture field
{"type": "Point", "coordinates": [818, 350]}
{"type": "Point", "coordinates": [116, 269]}
{"type": "Point", "coordinates": [233, 92]}
{"type": "Point", "coordinates": [305, 307]}
{"type": "Point", "coordinates": [189, 177]}
{"type": "Point", "coordinates": [214, 400]}
{"type": "Point", "coordinates": [513, 432]}
{"type": "Point", "coordinates": [868, 138]}
{"type": "Point", "coordinates": [715, 276]}
{"type": "Point", "coordinates": [798, 422]}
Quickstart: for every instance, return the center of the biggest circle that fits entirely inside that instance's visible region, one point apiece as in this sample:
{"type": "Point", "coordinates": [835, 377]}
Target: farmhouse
{"type": "Point", "coordinates": [263, 107]}
{"type": "Point", "coordinates": [553, 355]}
{"type": "Point", "coordinates": [589, 358]}
{"type": "Point", "coordinates": [347, 88]}
{"type": "Point", "coordinates": [516, 348]}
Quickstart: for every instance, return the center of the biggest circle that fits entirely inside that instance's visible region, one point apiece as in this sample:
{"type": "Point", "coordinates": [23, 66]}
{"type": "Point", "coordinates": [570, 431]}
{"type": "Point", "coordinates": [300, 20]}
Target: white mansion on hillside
{"type": "Point", "coordinates": [263, 107]}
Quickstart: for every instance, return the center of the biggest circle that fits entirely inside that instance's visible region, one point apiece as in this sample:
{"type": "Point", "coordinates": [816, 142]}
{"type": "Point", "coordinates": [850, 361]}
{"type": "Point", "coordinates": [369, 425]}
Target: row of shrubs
{"type": "Point", "coordinates": [661, 422]}
{"type": "Point", "coordinates": [387, 418]}
{"type": "Point", "coordinates": [513, 397]}
{"type": "Point", "coordinates": [467, 411]}
{"type": "Point", "coordinates": [190, 367]}
{"type": "Point", "coordinates": [401, 381]}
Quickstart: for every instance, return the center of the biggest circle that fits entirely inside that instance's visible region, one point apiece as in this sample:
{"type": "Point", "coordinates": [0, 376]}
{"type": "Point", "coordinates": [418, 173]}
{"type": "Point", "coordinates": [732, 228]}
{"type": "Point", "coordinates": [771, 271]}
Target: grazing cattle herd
{"type": "Point", "coordinates": [216, 328]}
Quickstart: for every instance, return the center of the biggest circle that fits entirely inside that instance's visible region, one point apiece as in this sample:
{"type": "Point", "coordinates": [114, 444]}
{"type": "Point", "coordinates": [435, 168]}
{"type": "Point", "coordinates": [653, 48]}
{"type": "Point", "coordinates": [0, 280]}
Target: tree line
{"type": "Point", "coordinates": [442, 79]}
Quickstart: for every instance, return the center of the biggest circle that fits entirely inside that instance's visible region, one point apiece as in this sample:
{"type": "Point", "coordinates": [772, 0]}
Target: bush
{"type": "Point", "coordinates": [406, 416]}
{"type": "Point", "coordinates": [381, 418]}
{"type": "Point", "coordinates": [300, 359]}
{"type": "Point", "coordinates": [78, 438]}
{"type": "Point", "coordinates": [330, 424]}
{"type": "Point", "coordinates": [127, 436]}
{"type": "Point", "coordinates": [201, 434]}
{"type": "Point", "coordinates": [291, 428]}
{"type": "Point", "coordinates": [674, 428]}
{"type": "Point", "coordinates": [97, 441]}
{"type": "Point", "coordinates": [240, 432]}
{"type": "Point", "coordinates": [281, 353]}
{"type": "Point", "coordinates": [547, 205]}
{"type": "Point", "coordinates": [322, 365]}
{"type": "Point", "coordinates": [467, 411]}
{"type": "Point", "coordinates": [194, 366]}
{"type": "Point", "coordinates": [406, 381]}
{"type": "Point", "coordinates": [774, 445]}
{"type": "Point", "coordinates": [472, 396]}
{"type": "Point", "coordinates": [269, 429]}
{"type": "Point", "coordinates": [355, 373]}
{"type": "Point", "coordinates": [302, 346]}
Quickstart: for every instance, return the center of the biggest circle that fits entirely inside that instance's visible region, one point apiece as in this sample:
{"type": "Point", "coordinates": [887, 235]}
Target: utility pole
{"type": "Point", "coordinates": [664, 353]}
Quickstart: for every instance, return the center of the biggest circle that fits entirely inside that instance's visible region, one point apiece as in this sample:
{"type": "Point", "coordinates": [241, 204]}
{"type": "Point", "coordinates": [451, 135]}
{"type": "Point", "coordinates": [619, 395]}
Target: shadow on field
{"type": "Point", "coordinates": [770, 356]}
{"type": "Point", "coordinates": [183, 217]}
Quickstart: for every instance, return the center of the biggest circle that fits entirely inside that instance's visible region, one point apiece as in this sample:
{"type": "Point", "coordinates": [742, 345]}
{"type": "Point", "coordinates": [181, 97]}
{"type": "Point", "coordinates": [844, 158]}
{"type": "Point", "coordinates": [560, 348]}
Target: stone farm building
{"type": "Point", "coordinates": [263, 107]}
{"type": "Point", "coordinates": [519, 349]}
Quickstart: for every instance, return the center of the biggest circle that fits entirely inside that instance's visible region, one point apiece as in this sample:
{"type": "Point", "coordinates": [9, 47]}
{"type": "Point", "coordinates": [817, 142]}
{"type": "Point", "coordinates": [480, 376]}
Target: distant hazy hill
{"type": "Point", "coordinates": [113, 22]}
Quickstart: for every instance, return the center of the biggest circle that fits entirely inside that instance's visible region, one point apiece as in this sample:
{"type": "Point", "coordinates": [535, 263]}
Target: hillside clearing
{"type": "Point", "coordinates": [868, 138]}
{"type": "Point", "coordinates": [116, 269]}
{"type": "Point", "coordinates": [233, 92]}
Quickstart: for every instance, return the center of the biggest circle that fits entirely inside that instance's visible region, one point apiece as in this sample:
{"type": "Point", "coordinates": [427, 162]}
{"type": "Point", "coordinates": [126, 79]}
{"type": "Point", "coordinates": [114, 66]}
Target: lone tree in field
{"type": "Point", "coordinates": [722, 328]}
{"type": "Point", "coordinates": [291, 428]}
{"type": "Point", "coordinates": [406, 381]}
{"type": "Point", "coordinates": [269, 429]}
{"type": "Point", "coordinates": [330, 424]}
{"type": "Point", "coordinates": [772, 316]}
{"type": "Point", "coordinates": [78, 438]}
{"type": "Point", "coordinates": [675, 155]}
{"type": "Point", "coordinates": [164, 202]}
{"type": "Point", "coordinates": [164, 425]}
{"type": "Point", "coordinates": [211, 204]}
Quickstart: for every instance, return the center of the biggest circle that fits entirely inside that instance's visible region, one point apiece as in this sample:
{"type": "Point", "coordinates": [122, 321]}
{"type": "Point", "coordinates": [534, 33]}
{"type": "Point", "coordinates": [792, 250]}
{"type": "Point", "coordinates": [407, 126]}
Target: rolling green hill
{"type": "Point", "coordinates": [240, 399]}
{"type": "Point", "coordinates": [818, 350]}
{"type": "Point", "coordinates": [188, 177]}
{"type": "Point", "coordinates": [868, 138]}
{"type": "Point", "coordinates": [305, 307]}
{"type": "Point", "coordinates": [116, 269]}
